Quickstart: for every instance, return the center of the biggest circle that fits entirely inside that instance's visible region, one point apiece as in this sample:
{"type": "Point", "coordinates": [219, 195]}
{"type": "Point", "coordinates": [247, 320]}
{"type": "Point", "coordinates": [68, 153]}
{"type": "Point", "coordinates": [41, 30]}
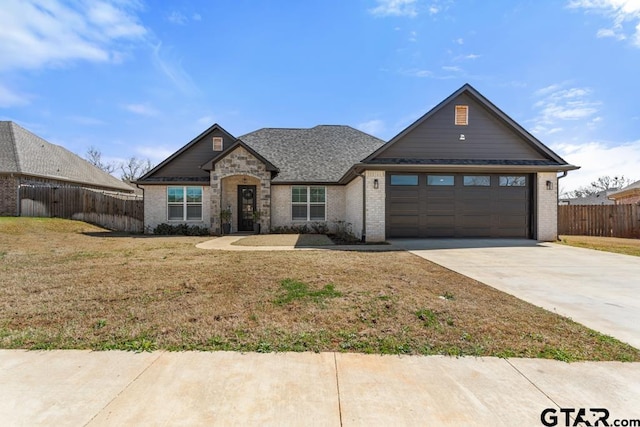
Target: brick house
{"type": "Point", "coordinates": [464, 169]}
{"type": "Point", "coordinates": [27, 159]}
{"type": "Point", "coordinates": [629, 195]}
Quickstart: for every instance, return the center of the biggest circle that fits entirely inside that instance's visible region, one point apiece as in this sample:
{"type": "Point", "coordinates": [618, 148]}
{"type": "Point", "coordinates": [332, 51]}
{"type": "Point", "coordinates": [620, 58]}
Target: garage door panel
{"type": "Point", "coordinates": [458, 210]}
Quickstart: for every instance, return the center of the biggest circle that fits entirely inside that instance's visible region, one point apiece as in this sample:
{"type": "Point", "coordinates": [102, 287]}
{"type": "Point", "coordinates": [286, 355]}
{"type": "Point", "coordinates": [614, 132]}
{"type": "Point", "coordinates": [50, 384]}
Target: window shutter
{"type": "Point", "coordinates": [462, 115]}
{"type": "Point", "coordinates": [217, 143]}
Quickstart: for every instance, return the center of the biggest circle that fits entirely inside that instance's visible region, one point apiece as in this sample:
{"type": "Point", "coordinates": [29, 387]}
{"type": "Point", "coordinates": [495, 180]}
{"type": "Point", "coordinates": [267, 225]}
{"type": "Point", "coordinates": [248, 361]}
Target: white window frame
{"type": "Point", "coordinates": [309, 203]}
{"type": "Point", "coordinates": [185, 203]}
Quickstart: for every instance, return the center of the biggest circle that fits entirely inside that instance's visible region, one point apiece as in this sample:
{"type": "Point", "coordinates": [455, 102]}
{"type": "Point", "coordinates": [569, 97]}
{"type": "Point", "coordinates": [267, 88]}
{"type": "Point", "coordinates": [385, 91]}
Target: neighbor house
{"type": "Point", "coordinates": [464, 169]}
{"type": "Point", "coordinates": [629, 195]}
{"type": "Point", "coordinates": [27, 159]}
{"type": "Point", "coordinates": [599, 198]}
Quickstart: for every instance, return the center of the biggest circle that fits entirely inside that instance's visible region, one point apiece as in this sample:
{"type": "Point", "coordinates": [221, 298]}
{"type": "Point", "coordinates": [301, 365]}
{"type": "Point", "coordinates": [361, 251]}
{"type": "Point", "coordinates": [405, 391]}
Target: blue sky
{"type": "Point", "coordinates": [142, 78]}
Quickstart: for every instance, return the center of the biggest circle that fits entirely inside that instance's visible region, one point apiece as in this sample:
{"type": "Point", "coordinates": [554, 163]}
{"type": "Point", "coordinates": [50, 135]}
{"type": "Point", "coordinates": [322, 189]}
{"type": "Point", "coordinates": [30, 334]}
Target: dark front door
{"type": "Point", "coordinates": [246, 206]}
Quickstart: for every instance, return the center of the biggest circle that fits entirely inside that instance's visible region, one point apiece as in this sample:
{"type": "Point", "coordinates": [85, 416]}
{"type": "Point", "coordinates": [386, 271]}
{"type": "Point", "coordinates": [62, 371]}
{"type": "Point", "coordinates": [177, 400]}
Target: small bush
{"type": "Point", "coordinates": [293, 229]}
{"type": "Point", "coordinates": [180, 230]}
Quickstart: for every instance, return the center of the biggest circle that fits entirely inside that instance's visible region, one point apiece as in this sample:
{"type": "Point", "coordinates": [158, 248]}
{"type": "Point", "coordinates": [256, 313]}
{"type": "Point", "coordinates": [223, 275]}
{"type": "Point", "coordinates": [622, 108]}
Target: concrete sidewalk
{"type": "Point", "coordinates": [224, 388]}
{"type": "Point", "coordinates": [225, 243]}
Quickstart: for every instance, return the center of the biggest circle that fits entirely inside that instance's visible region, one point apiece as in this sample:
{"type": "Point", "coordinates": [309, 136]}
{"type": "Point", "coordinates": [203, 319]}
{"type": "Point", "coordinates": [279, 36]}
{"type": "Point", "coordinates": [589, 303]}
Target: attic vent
{"type": "Point", "coordinates": [462, 115]}
{"type": "Point", "coordinates": [217, 143]}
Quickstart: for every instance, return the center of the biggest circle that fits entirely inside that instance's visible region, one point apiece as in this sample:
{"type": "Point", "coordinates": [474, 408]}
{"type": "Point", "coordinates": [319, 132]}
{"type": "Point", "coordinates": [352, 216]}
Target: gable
{"type": "Point", "coordinates": [186, 163]}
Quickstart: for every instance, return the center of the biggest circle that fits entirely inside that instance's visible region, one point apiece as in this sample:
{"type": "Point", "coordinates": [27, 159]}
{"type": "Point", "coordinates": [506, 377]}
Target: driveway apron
{"type": "Point", "coordinates": [599, 289]}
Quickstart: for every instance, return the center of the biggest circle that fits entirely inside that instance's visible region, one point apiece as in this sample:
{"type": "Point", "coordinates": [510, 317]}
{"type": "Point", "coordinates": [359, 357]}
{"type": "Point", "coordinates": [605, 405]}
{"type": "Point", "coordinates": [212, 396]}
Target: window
{"type": "Point", "coordinates": [440, 180]}
{"type": "Point", "coordinates": [404, 179]}
{"type": "Point", "coordinates": [217, 143]}
{"type": "Point", "coordinates": [477, 181]}
{"type": "Point", "coordinates": [513, 181]}
{"type": "Point", "coordinates": [184, 203]}
{"type": "Point", "coordinates": [462, 115]}
{"type": "Point", "coordinates": [308, 203]}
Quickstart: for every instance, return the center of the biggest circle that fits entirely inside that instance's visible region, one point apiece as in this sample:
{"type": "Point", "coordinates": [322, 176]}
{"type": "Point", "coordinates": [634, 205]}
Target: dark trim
{"type": "Point", "coordinates": [182, 150]}
{"type": "Point", "coordinates": [331, 183]}
{"type": "Point", "coordinates": [210, 165]}
{"type": "Point", "coordinates": [467, 88]}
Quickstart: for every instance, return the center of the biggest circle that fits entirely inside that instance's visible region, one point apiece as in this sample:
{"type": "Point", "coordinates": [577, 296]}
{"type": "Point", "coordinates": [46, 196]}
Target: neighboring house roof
{"type": "Point", "coordinates": [24, 153]}
{"type": "Point", "coordinates": [628, 191]}
{"type": "Point", "coordinates": [599, 198]}
{"type": "Point", "coordinates": [552, 158]}
{"type": "Point", "coordinates": [320, 154]}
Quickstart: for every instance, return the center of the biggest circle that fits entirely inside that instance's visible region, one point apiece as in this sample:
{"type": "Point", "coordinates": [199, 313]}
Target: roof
{"type": "Point", "coordinates": [239, 143]}
{"type": "Point", "coordinates": [630, 190]}
{"type": "Point", "coordinates": [599, 198]}
{"type": "Point", "coordinates": [24, 153]}
{"type": "Point", "coordinates": [320, 154]}
{"type": "Point", "coordinates": [499, 114]}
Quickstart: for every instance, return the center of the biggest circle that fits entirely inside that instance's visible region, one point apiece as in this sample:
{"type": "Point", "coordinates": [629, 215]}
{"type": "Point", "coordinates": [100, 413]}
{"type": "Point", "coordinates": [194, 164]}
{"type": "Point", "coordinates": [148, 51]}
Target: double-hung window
{"type": "Point", "coordinates": [184, 203]}
{"type": "Point", "coordinates": [308, 203]}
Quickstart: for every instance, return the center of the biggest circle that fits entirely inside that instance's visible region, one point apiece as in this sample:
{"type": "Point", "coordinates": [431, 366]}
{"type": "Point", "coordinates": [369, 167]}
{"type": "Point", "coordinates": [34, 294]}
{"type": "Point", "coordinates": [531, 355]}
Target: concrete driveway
{"type": "Point", "coordinates": [598, 289]}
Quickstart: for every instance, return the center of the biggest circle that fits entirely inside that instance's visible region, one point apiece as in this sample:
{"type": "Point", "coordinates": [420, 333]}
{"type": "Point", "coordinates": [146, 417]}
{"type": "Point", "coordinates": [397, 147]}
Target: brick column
{"type": "Point", "coordinates": [547, 206]}
{"type": "Point", "coordinates": [375, 206]}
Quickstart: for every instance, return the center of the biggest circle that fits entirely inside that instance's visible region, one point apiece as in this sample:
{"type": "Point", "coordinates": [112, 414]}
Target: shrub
{"type": "Point", "coordinates": [180, 230]}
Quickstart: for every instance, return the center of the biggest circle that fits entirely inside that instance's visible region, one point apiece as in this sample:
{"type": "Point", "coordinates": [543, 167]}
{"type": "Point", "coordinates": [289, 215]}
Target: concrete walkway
{"type": "Point", "coordinates": [598, 289]}
{"type": "Point", "coordinates": [79, 388]}
{"type": "Point", "coordinates": [226, 243]}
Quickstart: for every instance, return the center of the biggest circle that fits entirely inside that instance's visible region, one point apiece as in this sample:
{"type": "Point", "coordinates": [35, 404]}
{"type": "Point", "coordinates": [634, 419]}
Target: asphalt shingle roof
{"type": "Point", "coordinates": [319, 154]}
{"type": "Point", "coordinates": [22, 152]}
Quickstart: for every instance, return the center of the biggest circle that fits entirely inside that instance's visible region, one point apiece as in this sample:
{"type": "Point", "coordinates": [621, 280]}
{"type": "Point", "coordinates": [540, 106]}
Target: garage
{"type": "Point", "coordinates": [458, 205]}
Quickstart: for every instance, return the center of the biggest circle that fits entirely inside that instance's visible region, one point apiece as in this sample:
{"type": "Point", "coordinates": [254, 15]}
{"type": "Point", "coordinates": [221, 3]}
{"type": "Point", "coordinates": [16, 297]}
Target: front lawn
{"type": "Point", "coordinates": [607, 244]}
{"type": "Point", "coordinates": [66, 284]}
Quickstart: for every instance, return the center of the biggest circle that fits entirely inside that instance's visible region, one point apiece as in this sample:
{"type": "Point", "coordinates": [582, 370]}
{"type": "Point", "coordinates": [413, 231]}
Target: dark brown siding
{"type": "Point", "coordinates": [458, 211]}
{"type": "Point", "coordinates": [188, 163]}
{"type": "Point", "coordinates": [486, 137]}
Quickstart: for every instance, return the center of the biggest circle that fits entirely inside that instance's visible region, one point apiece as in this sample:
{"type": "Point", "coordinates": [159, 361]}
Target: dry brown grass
{"type": "Point", "coordinates": [67, 284]}
{"type": "Point", "coordinates": [607, 244]}
{"type": "Point", "coordinates": [299, 240]}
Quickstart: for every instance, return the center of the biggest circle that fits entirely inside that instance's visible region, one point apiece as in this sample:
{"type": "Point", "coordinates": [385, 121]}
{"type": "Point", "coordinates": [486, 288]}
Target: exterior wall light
{"type": "Point", "coordinates": [376, 184]}
{"type": "Point", "coordinates": [549, 185]}
{"type": "Point", "coordinates": [462, 138]}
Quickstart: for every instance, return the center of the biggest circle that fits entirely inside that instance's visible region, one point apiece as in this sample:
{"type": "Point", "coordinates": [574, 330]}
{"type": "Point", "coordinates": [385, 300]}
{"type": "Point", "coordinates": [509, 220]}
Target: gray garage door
{"type": "Point", "coordinates": [457, 205]}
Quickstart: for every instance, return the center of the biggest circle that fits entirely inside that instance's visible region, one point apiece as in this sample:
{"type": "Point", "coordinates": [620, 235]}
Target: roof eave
{"type": "Point", "coordinates": [360, 167]}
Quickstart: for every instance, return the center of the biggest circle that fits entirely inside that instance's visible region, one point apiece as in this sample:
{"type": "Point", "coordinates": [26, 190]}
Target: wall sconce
{"type": "Point", "coordinates": [549, 185]}
{"type": "Point", "coordinates": [376, 184]}
{"type": "Point", "coordinates": [462, 138]}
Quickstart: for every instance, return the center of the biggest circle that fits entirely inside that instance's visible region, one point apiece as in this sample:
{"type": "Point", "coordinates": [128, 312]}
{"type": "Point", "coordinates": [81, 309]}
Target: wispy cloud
{"type": "Point", "coordinates": [623, 14]}
{"type": "Point", "coordinates": [395, 8]}
{"type": "Point", "coordinates": [141, 109]}
{"type": "Point", "coordinates": [178, 18]}
{"type": "Point", "coordinates": [172, 68]}
{"type": "Point", "coordinates": [10, 98]}
{"type": "Point", "coordinates": [373, 127]}
{"type": "Point", "coordinates": [35, 34]}
{"type": "Point", "coordinates": [558, 105]}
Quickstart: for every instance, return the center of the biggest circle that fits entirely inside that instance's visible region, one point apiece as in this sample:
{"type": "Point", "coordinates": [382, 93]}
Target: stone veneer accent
{"type": "Point", "coordinates": [375, 214]}
{"type": "Point", "coordinates": [8, 195]}
{"type": "Point", "coordinates": [547, 206]}
{"type": "Point", "coordinates": [225, 178]}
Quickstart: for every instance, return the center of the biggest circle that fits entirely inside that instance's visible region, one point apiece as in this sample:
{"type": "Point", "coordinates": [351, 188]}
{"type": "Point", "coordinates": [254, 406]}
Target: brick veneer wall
{"type": "Point", "coordinates": [8, 195]}
{"type": "Point", "coordinates": [155, 207]}
{"type": "Point", "coordinates": [375, 213]}
{"type": "Point", "coordinates": [547, 207]}
{"type": "Point", "coordinates": [353, 205]}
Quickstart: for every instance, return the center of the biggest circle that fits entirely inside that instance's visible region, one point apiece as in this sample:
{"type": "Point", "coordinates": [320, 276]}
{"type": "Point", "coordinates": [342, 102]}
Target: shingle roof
{"type": "Point", "coordinates": [22, 152]}
{"type": "Point", "coordinates": [319, 154]}
{"type": "Point", "coordinates": [631, 189]}
{"type": "Point", "coordinates": [482, 162]}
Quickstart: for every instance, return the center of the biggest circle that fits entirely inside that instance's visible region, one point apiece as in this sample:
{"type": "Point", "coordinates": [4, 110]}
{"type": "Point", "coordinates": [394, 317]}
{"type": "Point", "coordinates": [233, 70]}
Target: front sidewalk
{"type": "Point", "coordinates": [71, 387]}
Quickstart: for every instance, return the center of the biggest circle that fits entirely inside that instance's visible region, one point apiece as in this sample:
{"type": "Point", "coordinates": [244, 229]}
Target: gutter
{"type": "Point", "coordinates": [564, 173]}
{"type": "Point", "coordinates": [363, 232]}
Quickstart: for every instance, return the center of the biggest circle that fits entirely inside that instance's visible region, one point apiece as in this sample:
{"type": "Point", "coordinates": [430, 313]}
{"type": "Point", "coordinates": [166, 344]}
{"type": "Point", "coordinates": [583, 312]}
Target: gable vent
{"type": "Point", "coordinates": [462, 115]}
{"type": "Point", "coordinates": [217, 143]}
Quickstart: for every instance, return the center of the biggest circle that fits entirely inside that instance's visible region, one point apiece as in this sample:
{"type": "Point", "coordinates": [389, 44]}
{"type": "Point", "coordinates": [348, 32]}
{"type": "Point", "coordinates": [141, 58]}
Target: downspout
{"type": "Point", "coordinates": [564, 173]}
{"type": "Point", "coordinates": [363, 232]}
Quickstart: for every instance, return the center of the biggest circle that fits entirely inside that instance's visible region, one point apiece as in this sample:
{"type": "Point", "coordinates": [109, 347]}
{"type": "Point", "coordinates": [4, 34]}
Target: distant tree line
{"type": "Point", "coordinates": [130, 169]}
{"type": "Point", "coordinates": [604, 183]}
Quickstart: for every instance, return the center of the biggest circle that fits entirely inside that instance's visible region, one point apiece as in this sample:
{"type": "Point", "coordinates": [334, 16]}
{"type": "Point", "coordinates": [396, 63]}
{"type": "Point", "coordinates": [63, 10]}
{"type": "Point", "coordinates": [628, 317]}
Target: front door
{"type": "Point", "coordinates": [246, 206]}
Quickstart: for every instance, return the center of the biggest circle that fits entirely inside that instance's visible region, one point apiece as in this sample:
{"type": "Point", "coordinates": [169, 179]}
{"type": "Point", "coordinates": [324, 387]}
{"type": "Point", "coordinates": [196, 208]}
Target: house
{"type": "Point", "coordinates": [464, 169]}
{"type": "Point", "coordinates": [599, 198]}
{"type": "Point", "coordinates": [629, 195]}
{"type": "Point", "coordinates": [27, 159]}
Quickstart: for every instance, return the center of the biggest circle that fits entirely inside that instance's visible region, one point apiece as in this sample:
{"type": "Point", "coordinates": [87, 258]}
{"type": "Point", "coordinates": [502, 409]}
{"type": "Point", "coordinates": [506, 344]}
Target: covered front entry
{"type": "Point", "coordinates": [458, 205]}
{"type": "Point", "coordinates": [246, 207]}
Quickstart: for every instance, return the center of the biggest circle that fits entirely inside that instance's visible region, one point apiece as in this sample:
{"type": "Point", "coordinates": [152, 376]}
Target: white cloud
{"type": "Point", "coordinates": [415, 72]}
{"type": "Point", "coordinates": [9, 98]}
{"type": "Point", "coordinates": [559, 105]}
{"type": "Point", "coordinates": [452, 68]}
{"type": "Point", "coordinates": [373, 127]}
{"type": "Point", "coordinates": [172, 68]}
{"type": "Point", "coordinates": [177, 18]}
{"type": "Point", "coordinates": [620, 12]}
{"type": "Point", "coordinates": [35, 34]}
{"type": "Point", "coordinates": [196, 17]}
{"type": "Point", "coordinates": [395, 8]}
{"type": "Point", "coordinates": [459, 40]}
{"type": "Point", "coordinates": [413, 36]}
{"type": "Point", "coordinates": [141, 109]}
{"type": "Point", "coordinates": [598, 159]}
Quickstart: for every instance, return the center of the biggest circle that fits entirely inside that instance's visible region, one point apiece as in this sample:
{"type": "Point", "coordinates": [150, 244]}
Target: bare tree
{"type": "Point", "coordinates": [94, 156]}
{"type": "Point", "coordinates": [134, 168]}
{"type": "Point", "coordinates": [604, 183]}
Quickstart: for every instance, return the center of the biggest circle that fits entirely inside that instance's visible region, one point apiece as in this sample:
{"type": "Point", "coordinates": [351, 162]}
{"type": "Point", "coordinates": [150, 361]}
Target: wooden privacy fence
{"type": "Point", "coordinates": [114, 211]}
{"type": "Point", "coordinates": [599, 220]}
